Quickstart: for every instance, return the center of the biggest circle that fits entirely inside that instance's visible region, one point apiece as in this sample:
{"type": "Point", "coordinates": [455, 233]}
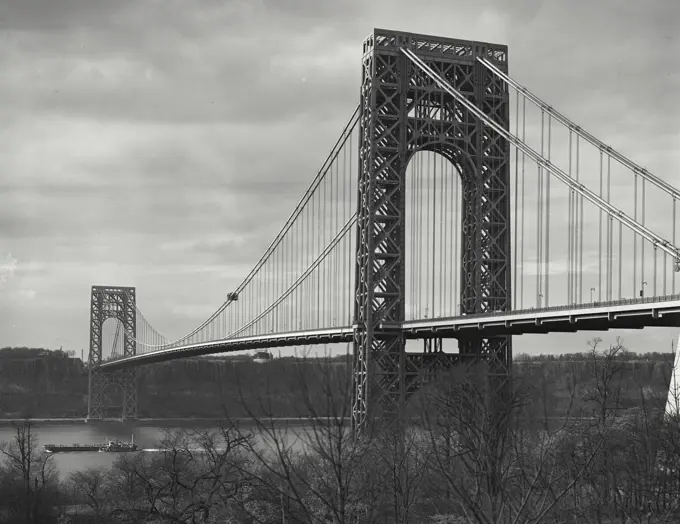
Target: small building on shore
{"type": "Point", "coordinates": [262, 357]}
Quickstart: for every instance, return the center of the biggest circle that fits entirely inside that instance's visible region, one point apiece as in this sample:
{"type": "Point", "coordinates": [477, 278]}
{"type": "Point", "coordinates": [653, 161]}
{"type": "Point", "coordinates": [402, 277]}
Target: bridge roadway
{"type": "Point", "coordinates": [623, 314]}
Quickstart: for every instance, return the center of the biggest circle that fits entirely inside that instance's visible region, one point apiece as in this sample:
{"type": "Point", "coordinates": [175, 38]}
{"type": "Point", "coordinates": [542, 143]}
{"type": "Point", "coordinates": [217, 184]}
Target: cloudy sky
{"type": "Point", "coordinates": [159, 144]}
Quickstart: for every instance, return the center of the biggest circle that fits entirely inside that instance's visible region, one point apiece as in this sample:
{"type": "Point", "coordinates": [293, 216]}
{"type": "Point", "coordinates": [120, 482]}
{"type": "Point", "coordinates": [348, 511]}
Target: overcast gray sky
{"type": "Point", "coordinates": [161, 144]}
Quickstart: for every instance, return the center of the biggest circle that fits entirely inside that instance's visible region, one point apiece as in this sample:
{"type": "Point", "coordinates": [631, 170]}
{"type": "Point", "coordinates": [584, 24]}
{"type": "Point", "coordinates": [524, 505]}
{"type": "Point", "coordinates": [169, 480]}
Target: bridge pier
{"type": "Point", "coordinates": [119, 303]}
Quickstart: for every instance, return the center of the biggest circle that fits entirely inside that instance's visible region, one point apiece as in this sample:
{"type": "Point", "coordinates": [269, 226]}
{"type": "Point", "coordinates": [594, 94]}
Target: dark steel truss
{"type": "Point", "coordinates": [119, 303]}
{"type": "Point", "coordinates": [403, 112]}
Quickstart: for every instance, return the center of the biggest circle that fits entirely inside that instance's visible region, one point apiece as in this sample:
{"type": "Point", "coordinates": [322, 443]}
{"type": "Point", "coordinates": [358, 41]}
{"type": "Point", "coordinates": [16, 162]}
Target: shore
{"type": "Point", "coordinates": [144, 421]}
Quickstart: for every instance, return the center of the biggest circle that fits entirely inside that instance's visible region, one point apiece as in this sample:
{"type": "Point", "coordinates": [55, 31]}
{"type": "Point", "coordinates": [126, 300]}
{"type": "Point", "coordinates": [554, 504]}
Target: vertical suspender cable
{"type": "Point", "coordinates": [287, 305]}
{"type": "Point", "coordinates": [292, 276]}
{"type": "Point", "coordinates": [313, 286]}
{"type": "Point", "coordinates": [449, 250]}
{"type": "Point", "coordinates": [610, 228]}
{"type": "Point", "coordinates": [451, 174]}
{"type": "Point", "coordinates": [539, 238]}
{"type": "Point", "coordinates": [342, 287]}
{"type": "Point", "coordinates": [328, 234]}
{"type": "Point", "coordinates": [297, 310]}
{"type": "Point", "coordinates": [455, 273]}
{"type": "Point", "coordinates": [260, 282]}
{"type": "Point", "coordinates": [321, 221]}
{"type": "Point", "coordinates": [515, 245]}
{"type": "Point", "coordinates": [411, 238]}
{"type": "Point", "coordinates": [301, 258]}
{"type": "Point", "coordinates": [415, 278]}
{"type": "Point", "coordinates": [665, 266]}
{"type": "Point", "coordinates": [599, 232]}
{"type": "Point", "coordinates": [673, 262]}
{"type": "Point", "coordinates": [415, 211]}
{"type": "Point", "coordinates": [570, 232]}
{"type": "Point", "coordinates": [547, 218]}
{"type": "Point", "coordinates": [314, 276]}
{"type": "Point", "coordinates": [323, 267]}
{"type": "Point", "coordinates": [442, 248]}
{"type": "Point", "coordinates": [580, 226]}
{"type": "Point", "coordinates": [319, 248]}
{"type": "Point", "coordinates": [642, 241]}
{"type": "Point", "coordinates": [539, 221]}
{"type": "Point", "coordinates": [620, 260]}
{"type": "Point", "coordinates": [635, 239]}
{"type": "Point", "coordinates": [427, 234]}
{"type": "Point", "coordinates": [665, 274]}
{"type": "Point", "coordinates": [275, 289]}
{"type": "Point", "coordinates": [419, 228]}
{"type": "Point", "coordinates": [348, 245]}
{"type": "Point", "coordinates": [654, 287]}
{"type": "Point", "coordinates": [574, 234]}
{"type": "Point", "coordinates": [434, 228]}
{"type": "Point", "coordinates": [521, 258]}
{"type": "Point", "coordinates": [458, 239]}
{"type": "Point", "coordinates": [308, 247]}
{"type": "Point", "coordinates": [336, 291]}
{"type": "Point", "coordinates": [417, 235]}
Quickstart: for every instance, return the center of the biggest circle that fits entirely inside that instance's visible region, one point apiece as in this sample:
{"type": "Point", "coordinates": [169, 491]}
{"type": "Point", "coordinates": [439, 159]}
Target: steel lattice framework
{"type": "Point", "coordinates": [403, 112]}
{"type": "Point", "coordinates": [450, 100]}
{"type": "Point", "coordinates": [119, 303]}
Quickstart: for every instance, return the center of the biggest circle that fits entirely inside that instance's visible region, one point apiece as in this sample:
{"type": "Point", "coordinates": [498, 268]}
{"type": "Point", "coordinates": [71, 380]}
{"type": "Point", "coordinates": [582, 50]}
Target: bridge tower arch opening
{"type": "Point", "coordinates": [403, 112]}
{"type": "Point", "coordinates": [432, 245]}
{"type": "Point", "coordinates": [119, 304]}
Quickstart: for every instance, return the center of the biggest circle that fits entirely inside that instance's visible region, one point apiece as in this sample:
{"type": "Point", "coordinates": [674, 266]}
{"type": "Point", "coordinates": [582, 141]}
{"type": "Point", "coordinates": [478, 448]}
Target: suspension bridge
{"type": "Point", "coordinates": [456, 208]}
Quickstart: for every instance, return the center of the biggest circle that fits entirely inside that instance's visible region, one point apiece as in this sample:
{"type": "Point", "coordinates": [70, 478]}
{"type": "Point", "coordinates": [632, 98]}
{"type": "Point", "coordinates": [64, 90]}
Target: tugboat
{"type": "Point", "coordinates": [118, 446]}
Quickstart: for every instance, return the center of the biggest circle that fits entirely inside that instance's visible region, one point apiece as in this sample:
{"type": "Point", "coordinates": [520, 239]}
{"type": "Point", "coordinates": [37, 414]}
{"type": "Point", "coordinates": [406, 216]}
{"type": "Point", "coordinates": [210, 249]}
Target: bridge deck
{"type": "Point", "coordinates": [623, 314]}
{"type": "Point", "coordinates": [629, 314]}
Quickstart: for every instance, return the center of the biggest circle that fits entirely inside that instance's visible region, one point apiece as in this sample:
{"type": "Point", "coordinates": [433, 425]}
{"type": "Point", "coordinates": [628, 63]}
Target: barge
{"type": "Point", "coordinates": [111, 446]}
{"type": "Point", "coordinates": [68, 448]}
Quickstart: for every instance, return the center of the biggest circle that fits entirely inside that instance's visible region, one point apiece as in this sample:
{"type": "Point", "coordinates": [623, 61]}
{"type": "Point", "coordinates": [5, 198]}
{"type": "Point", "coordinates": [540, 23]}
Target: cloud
{"type": "Point", "coordinates": [28, 294]}
{"type": "Point", "coordinates": [162, 144]}
{"type": "Point", "coordinates": [119, 64]}
{"type": "Point", "coordinates": [7, 268]}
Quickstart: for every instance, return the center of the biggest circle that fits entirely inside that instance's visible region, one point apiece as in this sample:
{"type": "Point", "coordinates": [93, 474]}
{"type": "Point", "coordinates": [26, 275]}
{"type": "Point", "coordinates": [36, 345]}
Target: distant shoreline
{"type": "Point", "coordinates": [4, 422]}
{"type": "Point", "coordinates": [183, 422]}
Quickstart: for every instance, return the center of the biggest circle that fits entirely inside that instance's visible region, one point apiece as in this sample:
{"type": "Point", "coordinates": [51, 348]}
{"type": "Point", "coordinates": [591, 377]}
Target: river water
{"type": "Point", "coordinates": [145, 436]}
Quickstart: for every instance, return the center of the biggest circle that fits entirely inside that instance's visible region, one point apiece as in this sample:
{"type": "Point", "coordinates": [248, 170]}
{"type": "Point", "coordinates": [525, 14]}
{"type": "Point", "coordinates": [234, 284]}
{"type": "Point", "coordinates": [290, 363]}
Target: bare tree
{"type": "Point", "coordinates": [602, 400]}
{"type": "Point", "coordinates": [91, 486]}
{"type": "Point", "coordinates": [196, 477]}
{"type": "Point", "coordinates": [605, 395]}
{"type": "Point", "coordinates": [317, 470]}
{"type": "Point", "coordinates": [30, 471]}
{"type": "Point", "coordinates": [646, 471]}
{"type": "Point", "coordinates": [403, 459]}
{"type": "Point", "coordinates": [490, 464]}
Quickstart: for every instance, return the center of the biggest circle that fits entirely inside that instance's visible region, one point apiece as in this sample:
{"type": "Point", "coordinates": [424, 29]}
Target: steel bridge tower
{"type": "Point", "coordinates": [403, 112]}
{"type": "Point", "coordinates": [119, 303]}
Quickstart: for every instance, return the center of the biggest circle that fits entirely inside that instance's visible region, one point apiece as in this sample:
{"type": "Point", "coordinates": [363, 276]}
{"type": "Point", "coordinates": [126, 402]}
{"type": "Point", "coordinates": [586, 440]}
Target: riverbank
{"type": "Point", "coordinates": [141, 422]}
{"type": "Point", "coordinates": [53, 389]}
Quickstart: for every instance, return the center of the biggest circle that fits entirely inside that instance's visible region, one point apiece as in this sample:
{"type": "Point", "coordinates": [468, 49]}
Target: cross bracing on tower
{"type": "Point", "coordinates": [433, 218]}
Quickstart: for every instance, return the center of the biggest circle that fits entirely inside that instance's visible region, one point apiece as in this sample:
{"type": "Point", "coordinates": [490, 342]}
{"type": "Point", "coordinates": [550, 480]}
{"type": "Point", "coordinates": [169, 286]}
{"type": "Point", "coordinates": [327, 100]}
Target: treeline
{"type": "Point", "coordinates": [655, 356]}
{"type": "Point", "coordinates": [624, 356]}
{"type": "Point", "coordinates": [47, 385]}
{"type": "Point", "coordinates": [469, 457]}
{"type": "Point", "coordinates": [8, 353]}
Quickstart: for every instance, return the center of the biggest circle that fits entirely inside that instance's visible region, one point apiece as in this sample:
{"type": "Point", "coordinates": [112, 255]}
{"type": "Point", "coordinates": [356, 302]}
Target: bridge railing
{"type": "Point", "coordinates": [567, 307]}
